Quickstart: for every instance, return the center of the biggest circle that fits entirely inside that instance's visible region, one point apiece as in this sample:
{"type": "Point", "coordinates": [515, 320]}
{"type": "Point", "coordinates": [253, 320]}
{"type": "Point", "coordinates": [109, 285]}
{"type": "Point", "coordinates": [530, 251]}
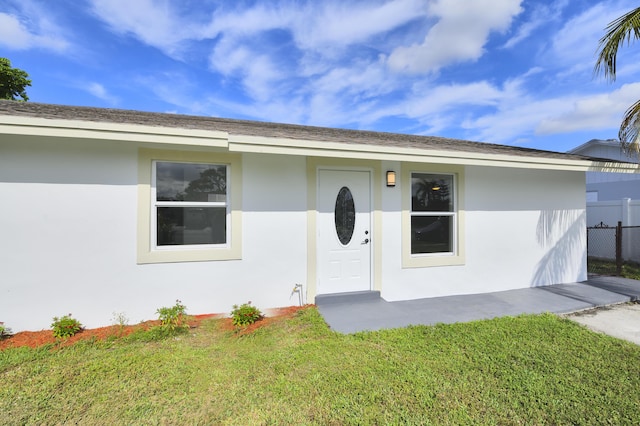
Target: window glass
{"type": "Point", "coordinates": [191, 225]}
{"type": "Point", "coordinates": [190, 182]}
{"type": "Point", "coordinates": [431, 234]}
{"type": "Point", "coordinates": [433, 214]}
{"type": "Point", "coordinates": [431, 192]}
{"type": "Point", "coordinates": [345, 215]}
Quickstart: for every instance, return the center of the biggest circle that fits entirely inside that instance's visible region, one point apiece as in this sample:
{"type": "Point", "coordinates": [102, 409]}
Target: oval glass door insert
{"type": "Point", "coordinates": [345, 215]}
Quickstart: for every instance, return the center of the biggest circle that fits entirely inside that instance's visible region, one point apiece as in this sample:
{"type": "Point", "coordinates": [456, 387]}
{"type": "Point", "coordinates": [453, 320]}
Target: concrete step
{"type": "Point", "coordinates": [347, 297]}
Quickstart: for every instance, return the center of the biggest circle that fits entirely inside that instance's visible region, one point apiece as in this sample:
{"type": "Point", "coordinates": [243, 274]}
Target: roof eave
{"type": "Point", "coordinates": [75, 129]}
{"type": "Point", "coordinates": [157, 135]}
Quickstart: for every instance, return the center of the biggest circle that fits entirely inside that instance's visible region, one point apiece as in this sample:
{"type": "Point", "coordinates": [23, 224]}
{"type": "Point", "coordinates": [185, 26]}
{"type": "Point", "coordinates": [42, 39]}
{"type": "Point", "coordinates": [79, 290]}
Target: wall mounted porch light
{"type": "Point", "coordinates": [391, 178]}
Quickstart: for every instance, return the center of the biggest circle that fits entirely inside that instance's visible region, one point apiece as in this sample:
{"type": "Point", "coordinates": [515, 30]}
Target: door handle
{"type": "Point", "coordinates": [366, 241]}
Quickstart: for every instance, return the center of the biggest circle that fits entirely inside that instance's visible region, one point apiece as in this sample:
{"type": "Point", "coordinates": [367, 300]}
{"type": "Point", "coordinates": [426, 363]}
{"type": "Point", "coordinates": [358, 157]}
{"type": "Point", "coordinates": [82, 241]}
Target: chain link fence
{"type": "Point", "coordinates": [609, 248]}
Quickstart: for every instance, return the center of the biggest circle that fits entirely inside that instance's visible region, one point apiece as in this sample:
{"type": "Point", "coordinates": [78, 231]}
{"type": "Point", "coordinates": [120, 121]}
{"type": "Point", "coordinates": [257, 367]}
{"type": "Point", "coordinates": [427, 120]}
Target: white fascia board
{"type": "Point", "coordinates": [42, 127]}
{"type": "Point", "coordinates": [611, 167]}
{"type": "Point", "coordinates": [255, 144]}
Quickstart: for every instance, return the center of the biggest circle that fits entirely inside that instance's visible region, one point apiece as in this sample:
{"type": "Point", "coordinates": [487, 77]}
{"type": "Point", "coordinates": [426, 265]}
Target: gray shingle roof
{"type": "Point", "coordinates": [255, 128]}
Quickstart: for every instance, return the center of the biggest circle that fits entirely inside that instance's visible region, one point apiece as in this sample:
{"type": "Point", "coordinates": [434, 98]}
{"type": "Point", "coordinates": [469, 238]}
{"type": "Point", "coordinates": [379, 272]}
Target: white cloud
{"type": "Point", "coordinates": [349, 94]}
{"type": "Point", "coordinates": [174, 88]}
{"type": "Point", "coordinates": [358, 79]}
{"type": "Point", "coordinates": [346, 24]}
{"type": "Point", "coordinates": [241, 38]}
{"type": "Point", "coordinates": [38, 32]}
{"type": "Point", "coordinates": [258, 73]}
{"type": "Point", "coordinates": [321, 36]}
{"type": "Point", "coordinates": [459, 35]}
{"type": "Point", "coordinates": [261, 78]}
{"type": "Point", "coordinates": [155, 22]}
{"type": "Point", "coordinates": [540, 15]}
{"type": "Point", "coordinates": [592, 112]}
{"type": "Point", "coordinates": [323, 26]}
{"type": "Point", "coordinates": [100, 92]}
{"type": "Point", "coordinates": [247, 22]}
{"type": "Point", "coordinates": [317, 25]}
{"type": "Point", "coordinates": [318, 37]}
{"type": "Point", "coordinates": [229, 56]}
{"type": "Point", "coordinates": [574, 46]}
{"type": "Point", "coordinates": [446, 97]}
{"type": "Point", "coordinates": [322, 31]}
{"type": "Point", "coordinates": [518, 115]}
{"type": "Point", "coordinates": [13, 34]}
{"type": "Point", "coordinates": [513, 121]}
{"type": "Point", "coordinates": [464, 107]}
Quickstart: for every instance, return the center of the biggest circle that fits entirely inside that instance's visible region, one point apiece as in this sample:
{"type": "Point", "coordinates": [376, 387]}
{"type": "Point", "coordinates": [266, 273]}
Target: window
{"type": "Point", "coordinates": [345, 216]}
{"type": "Point", "coordinates": [189, 206]}
{"type": "Point", "coordinates": [432, 215]}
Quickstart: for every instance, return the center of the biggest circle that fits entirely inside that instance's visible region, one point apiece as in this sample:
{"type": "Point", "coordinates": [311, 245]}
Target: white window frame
{"type": "Point", "coordinates": [457, 255]}
{"type": "Point", "coordinates": [156, 204]}
{"type": "Point", "coordinates": [148, 250]}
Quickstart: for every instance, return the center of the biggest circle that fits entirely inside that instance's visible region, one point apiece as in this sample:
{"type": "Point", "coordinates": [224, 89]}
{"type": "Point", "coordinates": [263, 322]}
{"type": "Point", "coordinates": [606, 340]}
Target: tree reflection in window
{"type": "Point", "coordinates": [191, 203]}
{"type": "Point", "coordinates": [345, 215]}
{"type": "Point", "coordinates": [433, 213]}
{"type": "Point", "coordinates": [430, 193]}
{"type": "Point", "coordinates": [191, 182]}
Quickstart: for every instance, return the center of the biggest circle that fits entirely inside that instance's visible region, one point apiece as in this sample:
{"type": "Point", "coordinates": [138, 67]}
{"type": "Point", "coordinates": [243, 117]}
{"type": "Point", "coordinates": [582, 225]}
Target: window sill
{"type": "Point", "coordinates": [410, 261]}
{"type": "Point", "coordinates": [188, 255]}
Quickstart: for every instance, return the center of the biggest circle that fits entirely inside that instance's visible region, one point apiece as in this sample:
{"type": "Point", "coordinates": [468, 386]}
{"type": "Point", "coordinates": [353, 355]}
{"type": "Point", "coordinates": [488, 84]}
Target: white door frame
{"type": "Point", "coordinates": [366, 251]}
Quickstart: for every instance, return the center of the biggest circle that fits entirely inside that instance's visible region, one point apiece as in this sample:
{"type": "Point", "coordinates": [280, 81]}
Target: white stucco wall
{"type": "Point", "coordinates": [69, 211]}
{"type": "Point", "coordinates": [524, 228]}
{"type": "Point", "coordinates": [69, 238]}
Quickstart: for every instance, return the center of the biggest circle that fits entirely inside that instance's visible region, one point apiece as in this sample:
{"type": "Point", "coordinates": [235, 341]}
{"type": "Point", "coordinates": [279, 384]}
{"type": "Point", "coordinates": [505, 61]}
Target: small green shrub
{"type": "Point", "coordinates": [245, 314]}
{"type": "Point", "coordinates": [173, 318]}
{"type": "Point", "coordinates": [4, 331]}
{"type": "Point", "coordinates": [65, 326]}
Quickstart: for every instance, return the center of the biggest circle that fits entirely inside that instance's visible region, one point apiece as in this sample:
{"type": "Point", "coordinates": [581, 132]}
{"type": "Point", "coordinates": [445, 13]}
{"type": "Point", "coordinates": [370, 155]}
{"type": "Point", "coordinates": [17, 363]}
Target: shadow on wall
{"type": "Point", "coordinates": [562, 233]}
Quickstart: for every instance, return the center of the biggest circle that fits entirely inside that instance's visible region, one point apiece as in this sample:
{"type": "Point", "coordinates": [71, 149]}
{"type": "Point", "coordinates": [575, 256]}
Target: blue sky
{"type": "Point", "coordinates": [514, 72]}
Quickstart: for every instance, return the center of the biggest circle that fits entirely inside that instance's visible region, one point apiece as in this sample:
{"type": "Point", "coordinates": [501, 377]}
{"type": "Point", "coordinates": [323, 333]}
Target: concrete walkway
{"type": "Point", "coordinates": [621, 321]}
{"type": "Point", "coordinates": [353, 312]}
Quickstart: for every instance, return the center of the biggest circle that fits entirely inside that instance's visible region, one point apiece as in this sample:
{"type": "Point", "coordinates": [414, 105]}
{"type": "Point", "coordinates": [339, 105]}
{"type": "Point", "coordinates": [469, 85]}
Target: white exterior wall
{"type": "Point", "coordinates": [69, 238]}
{"type": "Point", "coordinates": [524, 228]}
{"type": "Point", "coordinates": [69, 216]}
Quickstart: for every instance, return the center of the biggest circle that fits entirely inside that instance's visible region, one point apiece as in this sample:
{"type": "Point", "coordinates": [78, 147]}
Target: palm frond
{"type": "Point", "coordinates": [618, 32]}
{"type": "Point", "coordinates": [630, 129]}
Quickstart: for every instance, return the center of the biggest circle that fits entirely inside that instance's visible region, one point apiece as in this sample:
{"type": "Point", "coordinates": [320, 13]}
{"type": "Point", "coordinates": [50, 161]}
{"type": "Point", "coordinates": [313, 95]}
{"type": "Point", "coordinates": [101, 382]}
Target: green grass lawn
{"type": "Point", "coordinates": [532, 369]}
{"type": "Point", "coordinates": [608, 267]}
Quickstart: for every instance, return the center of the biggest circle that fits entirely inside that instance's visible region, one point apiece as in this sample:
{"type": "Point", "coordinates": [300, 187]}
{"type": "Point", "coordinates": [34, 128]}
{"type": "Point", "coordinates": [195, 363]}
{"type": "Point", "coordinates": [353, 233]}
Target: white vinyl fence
{"type": "Point", "coordinates": [602, 219]}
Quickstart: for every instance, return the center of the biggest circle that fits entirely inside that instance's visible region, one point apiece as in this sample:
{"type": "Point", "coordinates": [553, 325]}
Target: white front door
{"type": "Point", "coordinates": [344, 231]}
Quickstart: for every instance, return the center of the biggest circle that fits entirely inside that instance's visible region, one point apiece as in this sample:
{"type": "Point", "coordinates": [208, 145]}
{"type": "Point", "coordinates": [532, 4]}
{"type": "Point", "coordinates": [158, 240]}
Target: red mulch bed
{"type": "Point", "coordinates": [34, 339]}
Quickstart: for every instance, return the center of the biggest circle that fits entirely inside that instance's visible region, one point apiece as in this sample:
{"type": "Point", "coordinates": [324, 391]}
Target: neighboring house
{"type": "Point", "coordinates": [604, 186]}
{"type": "Point", "coordinates": [611, 198]}
{"type": "Point", "coordinates": [108, 211]}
